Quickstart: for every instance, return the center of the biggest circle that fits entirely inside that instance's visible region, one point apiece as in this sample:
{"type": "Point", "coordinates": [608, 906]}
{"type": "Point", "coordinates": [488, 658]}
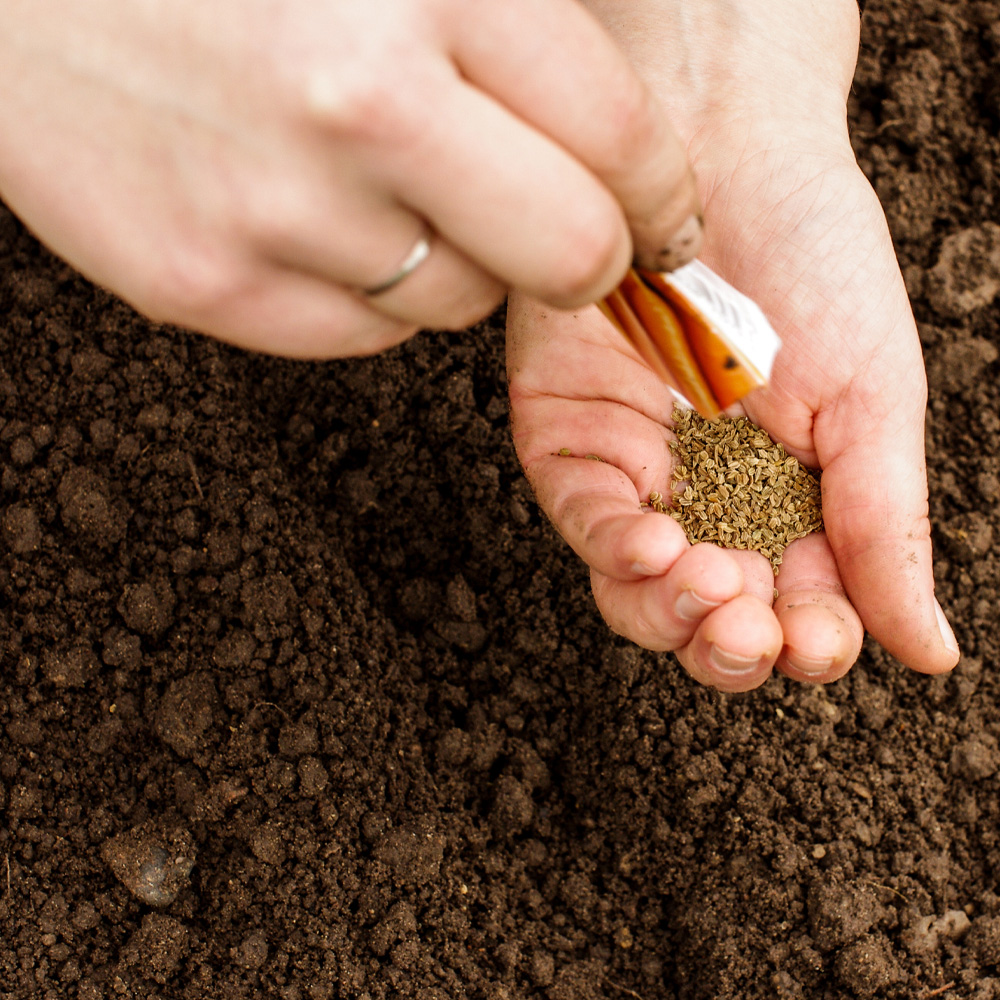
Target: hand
{"type": "Point", "coordinates": [791, 221]}
{"type": "Point", "coordinates": [245, 168]}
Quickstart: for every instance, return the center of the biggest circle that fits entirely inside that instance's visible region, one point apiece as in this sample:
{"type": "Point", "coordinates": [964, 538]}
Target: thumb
{"type": "Point", "coordinates": [876, 515]}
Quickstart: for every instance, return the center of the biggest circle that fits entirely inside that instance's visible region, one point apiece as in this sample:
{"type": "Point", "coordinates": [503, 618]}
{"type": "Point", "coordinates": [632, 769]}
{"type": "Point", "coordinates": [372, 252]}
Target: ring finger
{"type": "Point", "coordinates": [365, 247]}
{"type": "Point", "coordinates": [444, 289]}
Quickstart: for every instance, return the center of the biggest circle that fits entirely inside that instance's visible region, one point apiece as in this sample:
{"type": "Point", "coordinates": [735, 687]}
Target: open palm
{"type": "Point", "coordinates": [793, 223]}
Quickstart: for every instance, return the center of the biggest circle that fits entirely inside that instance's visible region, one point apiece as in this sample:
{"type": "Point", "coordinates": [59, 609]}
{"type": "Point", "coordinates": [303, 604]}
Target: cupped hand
{"type": "Point", "coordinates": [249, 169]}
{"type": "Point", "coordinates": [792, 222]}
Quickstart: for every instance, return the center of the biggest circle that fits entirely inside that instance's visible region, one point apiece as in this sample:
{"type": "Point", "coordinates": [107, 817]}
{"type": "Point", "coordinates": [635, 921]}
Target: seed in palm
{"type": "Point", "coordinates": [734, 486]}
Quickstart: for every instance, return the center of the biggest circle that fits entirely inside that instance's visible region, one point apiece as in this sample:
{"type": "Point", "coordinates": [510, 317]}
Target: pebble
{"type": "Point", "coordinates": [153, 865]}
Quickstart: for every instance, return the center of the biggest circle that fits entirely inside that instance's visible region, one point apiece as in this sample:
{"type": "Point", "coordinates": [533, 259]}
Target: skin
{"type": "Point", "coordinates": [757, 90]}
{"type": "Point", "coordinates": [244, 167]}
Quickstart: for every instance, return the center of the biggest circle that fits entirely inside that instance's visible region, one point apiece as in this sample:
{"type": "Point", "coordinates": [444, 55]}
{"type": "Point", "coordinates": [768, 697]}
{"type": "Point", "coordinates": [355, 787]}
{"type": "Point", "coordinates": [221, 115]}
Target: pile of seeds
{"type": "Point", "coordinates": [733, 485]}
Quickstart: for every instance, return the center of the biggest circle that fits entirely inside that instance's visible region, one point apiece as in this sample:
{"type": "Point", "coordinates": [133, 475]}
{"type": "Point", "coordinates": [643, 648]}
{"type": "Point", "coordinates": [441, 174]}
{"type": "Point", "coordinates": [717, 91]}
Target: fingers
{"type": "Point", "coordinates": [569, 386]}
{"type": "Point", "coordinates": [540, 120]}
{"type": "Point", "coordinates": [663, 612]}
{"type": "Point", "coordinates": [724, 637]}
{"type": "Point", "coordinates": [511, 199]}
{"type": "Point", "coordinates": [594, 506]}
{"type": "Point", "coordinates": [822, 631]}
{"type": "Point", "coordinates": [735, 648]}
{"type": "Point", "coordinates": [875, 510]}
{"type": "Point", "coordinates": [553, 66]}
{"type": "Point", "coordinates": [447, 291]}
{"type": "Point", "coordinates": [360, 240]}
{"type": "Point", "coordinates": [295, 315]}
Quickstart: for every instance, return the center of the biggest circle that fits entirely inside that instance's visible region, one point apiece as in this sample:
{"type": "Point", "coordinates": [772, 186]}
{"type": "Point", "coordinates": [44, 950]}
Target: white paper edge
{"type": "Point", "coordinates": [735, 316]}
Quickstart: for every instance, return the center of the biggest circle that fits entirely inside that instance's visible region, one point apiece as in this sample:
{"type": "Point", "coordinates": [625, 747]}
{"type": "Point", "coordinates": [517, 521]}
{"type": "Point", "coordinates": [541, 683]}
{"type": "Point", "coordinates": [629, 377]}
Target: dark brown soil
{"type": "Point", "coordinates": [301, 698]}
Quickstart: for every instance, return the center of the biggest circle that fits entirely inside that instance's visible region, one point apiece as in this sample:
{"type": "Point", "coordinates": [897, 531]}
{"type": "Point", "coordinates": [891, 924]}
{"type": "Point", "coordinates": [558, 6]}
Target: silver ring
{"type": "Point", "coordinates": [420, 252]}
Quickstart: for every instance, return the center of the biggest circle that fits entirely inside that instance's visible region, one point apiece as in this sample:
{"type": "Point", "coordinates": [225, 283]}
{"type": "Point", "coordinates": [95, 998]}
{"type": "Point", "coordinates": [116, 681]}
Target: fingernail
{"type": "Point", "coordinates": [642, 569]}
{"type": "Point", "coordinates": [808, 664]}
{"type": "Point", "coordinates": [732, 663]}
{"type": "Point", "coordinates": [947, 636]}
{"type": "Point", "coordinates": [683, 247]}
{"type": "Point", "coordinates": [691, 608]}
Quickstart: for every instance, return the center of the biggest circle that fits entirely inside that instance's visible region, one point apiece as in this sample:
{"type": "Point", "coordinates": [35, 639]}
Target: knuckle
{"type": "Point", "coordinates": [367, 103]}
{"type": "Point", "coordinates": [276, 214]}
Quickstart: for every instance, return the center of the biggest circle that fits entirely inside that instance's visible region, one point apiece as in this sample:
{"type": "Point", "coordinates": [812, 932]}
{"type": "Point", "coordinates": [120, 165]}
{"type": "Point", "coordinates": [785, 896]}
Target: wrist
{"type": "Point", "coordinates": [788, 64]}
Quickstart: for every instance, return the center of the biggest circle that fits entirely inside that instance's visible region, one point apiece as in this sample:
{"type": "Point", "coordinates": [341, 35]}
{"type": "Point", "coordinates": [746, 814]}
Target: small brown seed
{"type": "Point", "coordinates": [733, 485]}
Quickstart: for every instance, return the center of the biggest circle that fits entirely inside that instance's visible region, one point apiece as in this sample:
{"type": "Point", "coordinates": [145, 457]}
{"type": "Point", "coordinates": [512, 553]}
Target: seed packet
{"type": "Point", "coordinates": [709, 343]}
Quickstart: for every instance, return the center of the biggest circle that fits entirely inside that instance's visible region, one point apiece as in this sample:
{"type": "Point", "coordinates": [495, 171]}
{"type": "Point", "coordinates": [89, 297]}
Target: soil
{"type": "Point", "coordinates": [302, 698]}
